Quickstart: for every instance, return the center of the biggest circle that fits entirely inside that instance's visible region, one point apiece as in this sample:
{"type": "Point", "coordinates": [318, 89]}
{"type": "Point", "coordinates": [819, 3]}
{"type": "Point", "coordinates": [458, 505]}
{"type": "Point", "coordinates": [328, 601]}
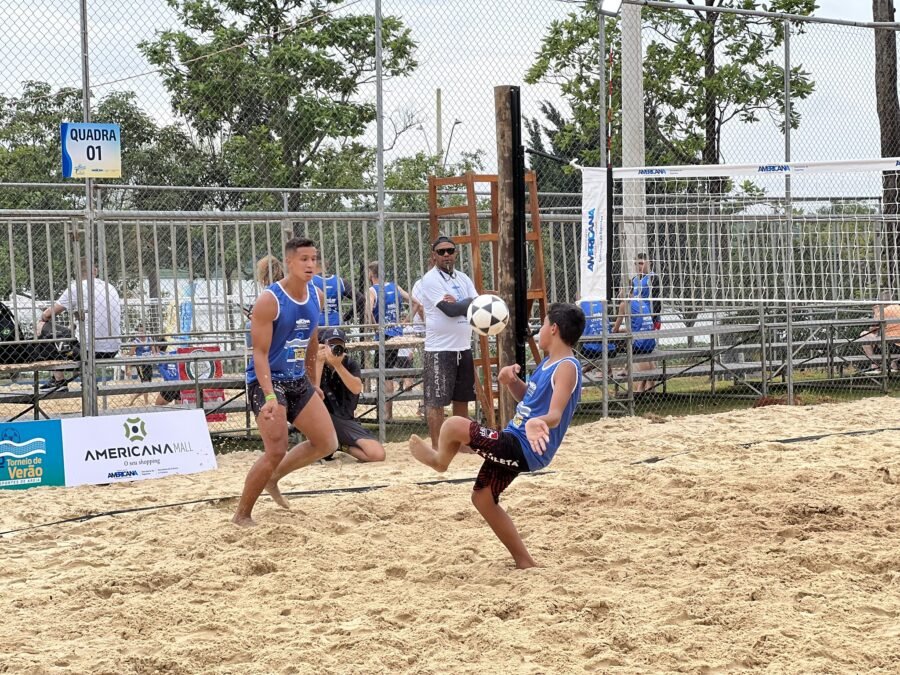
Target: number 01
{"type": "Point", "coordinates": [93, 152]}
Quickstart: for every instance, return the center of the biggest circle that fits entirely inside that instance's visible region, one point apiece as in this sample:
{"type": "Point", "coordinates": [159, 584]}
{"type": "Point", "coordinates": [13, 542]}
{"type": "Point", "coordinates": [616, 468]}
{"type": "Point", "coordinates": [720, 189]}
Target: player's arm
{"type": "Point", "coordinates": [346, 291]}
{"type": "Point", "coordinates": [457, 308]}
{"type": "Point", "coordinates": [537, 429]}
{"type": "Point", "coordinates": [348, 373]}
{"type": "Point", "coordinates": [370, 304]}
{"type": "Point", "coordinates": [655, 295]}
{"type": "Point", "coordinates": [312, 356]}
{"type": "Point", "coordinates": [264, 312]}
{"type": "Point", "coordinates": [509, 377]}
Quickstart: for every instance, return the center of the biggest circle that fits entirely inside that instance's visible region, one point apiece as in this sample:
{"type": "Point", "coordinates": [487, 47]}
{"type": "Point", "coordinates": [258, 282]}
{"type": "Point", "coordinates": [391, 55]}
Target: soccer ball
{"type": "Point", "coordinates": [488, 314]}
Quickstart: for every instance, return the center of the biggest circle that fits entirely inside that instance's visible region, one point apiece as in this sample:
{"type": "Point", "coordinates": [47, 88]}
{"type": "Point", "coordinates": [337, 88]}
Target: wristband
{"type": "Point", "coordinates": [271, 397]}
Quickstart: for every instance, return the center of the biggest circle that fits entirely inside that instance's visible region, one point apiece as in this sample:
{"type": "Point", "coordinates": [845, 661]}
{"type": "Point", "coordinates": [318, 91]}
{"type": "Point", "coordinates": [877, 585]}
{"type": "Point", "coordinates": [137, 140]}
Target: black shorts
{"type": "Point", "coordinates": [503, 458]}
{"type": "Point", "coordinates": [349, 432]}
{"type": "Point", "coordinates": [171, 395]}
{"type": "Point", "coordinates": [449, 376]}
{"type": "Point", "coordinates": [390, 356]}
{"type": "Point", "coordinates": [145, 373]}
{"type": "Point", "coordinates": [293, 395]}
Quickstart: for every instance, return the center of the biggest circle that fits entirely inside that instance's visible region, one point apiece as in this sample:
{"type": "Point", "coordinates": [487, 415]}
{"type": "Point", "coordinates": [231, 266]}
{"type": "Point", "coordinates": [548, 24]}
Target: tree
{"type": "Point", "coordinates": [274, 89]}
{"type": "Point", "coordinates": [701, 71]}
{"type": "Point", "coordinates": [889, 122]}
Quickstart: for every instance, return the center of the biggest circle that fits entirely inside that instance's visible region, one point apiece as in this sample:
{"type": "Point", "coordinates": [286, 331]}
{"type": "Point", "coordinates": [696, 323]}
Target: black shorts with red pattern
{"type": "Point", "coordinates": [503, 458]}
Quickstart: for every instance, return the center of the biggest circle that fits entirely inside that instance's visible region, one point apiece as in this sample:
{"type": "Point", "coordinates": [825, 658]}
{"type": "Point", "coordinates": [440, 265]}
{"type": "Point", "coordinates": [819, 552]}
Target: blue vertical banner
{"type": "Point", "coordinates": [91, 150]}
{"type": "Point", "coordinates": [31, 454]}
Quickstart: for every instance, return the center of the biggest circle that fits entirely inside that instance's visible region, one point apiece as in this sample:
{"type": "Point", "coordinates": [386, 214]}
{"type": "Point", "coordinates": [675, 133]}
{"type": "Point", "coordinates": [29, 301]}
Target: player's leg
{"type": "Point", "coordinates": [454, 433]}
{"type": "Point", "coordinates": [354, 439]}
{"type": "Point", "coordinates": [501, 524]}
{"type": "Point", "coordinates": [366, 450]}
{"type": "Point", "coordinates": [274, 436]}
{"type": "Point", "coordinates": [314, 422]}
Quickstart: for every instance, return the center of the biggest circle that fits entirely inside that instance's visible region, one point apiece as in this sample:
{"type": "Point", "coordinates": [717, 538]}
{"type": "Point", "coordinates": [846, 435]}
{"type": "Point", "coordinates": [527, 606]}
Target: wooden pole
{"type": "Point", "coordinates": [506, 288]}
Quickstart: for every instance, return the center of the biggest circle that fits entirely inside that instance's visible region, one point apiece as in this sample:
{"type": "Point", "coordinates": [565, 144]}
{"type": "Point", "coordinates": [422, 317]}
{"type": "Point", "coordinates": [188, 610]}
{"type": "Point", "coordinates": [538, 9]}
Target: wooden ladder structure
{"type": "Point", "coordinates": [476, 239]}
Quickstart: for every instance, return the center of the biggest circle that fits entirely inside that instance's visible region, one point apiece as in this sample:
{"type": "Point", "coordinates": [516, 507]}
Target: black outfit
{"type": "Point", "coordinates": [341, 404]}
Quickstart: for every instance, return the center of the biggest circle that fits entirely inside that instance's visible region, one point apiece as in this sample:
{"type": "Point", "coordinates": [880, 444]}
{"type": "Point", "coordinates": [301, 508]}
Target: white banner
{"type": "Point", "coordinates": [116, 448]}
{"type": "Point", "coordinates": [593, 234]}
{"type": "Point", "coordinates": [778, 168]}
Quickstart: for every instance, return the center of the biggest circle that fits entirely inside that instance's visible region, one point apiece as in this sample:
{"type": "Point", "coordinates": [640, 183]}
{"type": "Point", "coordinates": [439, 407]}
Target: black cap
{"type": "Point", "coordinates": [326, 334]}
{"type": "Point", "coordinates": [442, 239]}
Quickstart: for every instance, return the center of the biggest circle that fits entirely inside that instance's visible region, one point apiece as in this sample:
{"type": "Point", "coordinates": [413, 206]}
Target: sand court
{"type": "Point", "coordinates": [717, 558]}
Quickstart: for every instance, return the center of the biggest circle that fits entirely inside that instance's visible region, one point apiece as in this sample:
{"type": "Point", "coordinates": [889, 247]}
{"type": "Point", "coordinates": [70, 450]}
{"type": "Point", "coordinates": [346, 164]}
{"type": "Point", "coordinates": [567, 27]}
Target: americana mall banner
{"type": "Point", "coordinates": [593, 234]}
{"type": "Point", "coordinates": [107, 449]}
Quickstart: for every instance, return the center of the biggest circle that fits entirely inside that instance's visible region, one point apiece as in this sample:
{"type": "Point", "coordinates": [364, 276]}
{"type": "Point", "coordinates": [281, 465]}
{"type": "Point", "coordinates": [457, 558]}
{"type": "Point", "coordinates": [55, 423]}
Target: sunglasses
{"type": "Point", "coordinates": [445, 251]}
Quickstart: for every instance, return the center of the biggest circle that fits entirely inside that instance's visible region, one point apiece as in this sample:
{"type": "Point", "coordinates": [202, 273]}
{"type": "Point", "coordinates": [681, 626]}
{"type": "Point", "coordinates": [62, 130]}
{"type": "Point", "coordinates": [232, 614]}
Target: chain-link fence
{"type": "Point", "coordinates": [241, 127]}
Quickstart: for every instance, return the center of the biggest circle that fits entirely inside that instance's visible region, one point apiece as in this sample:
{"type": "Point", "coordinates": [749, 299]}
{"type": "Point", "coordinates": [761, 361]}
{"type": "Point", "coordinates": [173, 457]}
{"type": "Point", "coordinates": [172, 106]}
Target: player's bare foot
{"type": "Point", "coordinates": [525, 563]}
{"type": "Point", "coordinates": [243, 521]}
{"type": "Point", "coordinates": [275, 494]}
{"type": "Point", "coordinates": [423, 452]}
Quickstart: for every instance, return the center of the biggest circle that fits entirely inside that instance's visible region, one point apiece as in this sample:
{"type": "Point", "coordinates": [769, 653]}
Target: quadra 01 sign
{"type": "Point", "coordinates": [91, 150]}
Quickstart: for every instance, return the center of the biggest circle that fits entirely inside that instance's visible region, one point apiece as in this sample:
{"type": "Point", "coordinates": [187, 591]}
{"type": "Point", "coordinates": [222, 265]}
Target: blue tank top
{"type": "Point", "coordinates": [293, 326]}
{"type": "Point", "coordinates": [641, 322]}
{"type": "Point", "coordinates": [537, 403]}
{"type": "Point", "coordinates": [641, 286]}
{"type": "Point", "coordinates": [333, 288]}
{"type": "Point", "coordinates": [143, 347]}
{"type": "Point", "coordinates": [593, 312]}
{"type": "Point", "coordinates": [392, 314]}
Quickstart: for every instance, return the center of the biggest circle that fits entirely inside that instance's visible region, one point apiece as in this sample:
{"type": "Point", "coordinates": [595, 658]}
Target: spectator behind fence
{"type": "Point", "coordinates": [104, 329]}
{"type": "Point", "coordinates": [641, 320]}
{"type": "Point", "coordinates": [341, 385]}
{"type": "Point", "coordinates": [169, 373]}
{"type": "Point", "coordinates": [645, 285]}
{"type": "Point", "coordinates": [449, 372]}
{"type": "Point", "coordinates": [393, 309]}
{"type": "Point", "coordinates": [268, 270]}
{"type": "Point", "coordinates": [143, 346]}
{"type": "Point", "coordinates": [334, 289]}
{"type": "Point", "coordinates": [871, 337]}
{"type": "Point", "coordinates": [593, 327]}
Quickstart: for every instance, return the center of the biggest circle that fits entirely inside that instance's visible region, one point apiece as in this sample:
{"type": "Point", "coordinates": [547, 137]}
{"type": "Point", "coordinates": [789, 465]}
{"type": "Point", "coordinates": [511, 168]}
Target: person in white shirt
{"type": "Point", "coordinates": [103, 332]}
{"type": "Point", "coordinates": [449, 378]}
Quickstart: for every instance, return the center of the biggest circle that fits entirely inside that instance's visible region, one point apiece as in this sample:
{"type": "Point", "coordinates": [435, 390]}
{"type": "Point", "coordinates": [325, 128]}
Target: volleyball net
{"type": "Point", "coordinates": [810, 232]}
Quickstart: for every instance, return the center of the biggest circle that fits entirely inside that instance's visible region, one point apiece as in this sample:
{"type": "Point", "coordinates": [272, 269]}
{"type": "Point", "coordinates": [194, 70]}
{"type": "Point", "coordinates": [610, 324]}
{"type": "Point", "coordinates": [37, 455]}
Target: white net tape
{"type": "Point", "coordinates": [807, 232]}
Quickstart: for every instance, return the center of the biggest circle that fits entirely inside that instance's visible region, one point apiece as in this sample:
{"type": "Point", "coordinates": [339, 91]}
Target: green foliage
{"type": "Point", "coordinates": [278, 88]}
{"type": "Point", "coordinates": [701, 71]}
{"type": "Point", "coordinates": [411, 173]}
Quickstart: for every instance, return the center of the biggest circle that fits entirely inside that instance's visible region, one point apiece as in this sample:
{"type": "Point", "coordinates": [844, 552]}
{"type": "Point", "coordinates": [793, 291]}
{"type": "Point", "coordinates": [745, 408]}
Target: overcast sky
{"type": "Point", "coordinates": [466, 47]}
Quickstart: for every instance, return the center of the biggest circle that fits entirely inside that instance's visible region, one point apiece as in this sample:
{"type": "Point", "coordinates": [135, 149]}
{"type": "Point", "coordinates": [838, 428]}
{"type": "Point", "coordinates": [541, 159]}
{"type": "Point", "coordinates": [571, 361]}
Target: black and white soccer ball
{"type": "Point", "coordinates": [488, 314]}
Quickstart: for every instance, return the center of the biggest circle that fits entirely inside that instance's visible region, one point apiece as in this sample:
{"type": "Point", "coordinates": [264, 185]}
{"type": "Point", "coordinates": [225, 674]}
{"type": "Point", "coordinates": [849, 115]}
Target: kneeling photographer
{"type": "Point", "coordinates": [341, 385]}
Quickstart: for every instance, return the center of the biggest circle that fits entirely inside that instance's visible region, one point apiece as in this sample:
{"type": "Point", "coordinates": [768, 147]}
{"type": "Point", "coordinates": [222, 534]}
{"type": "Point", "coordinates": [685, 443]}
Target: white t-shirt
{"type": "Point", "coordinates": [445, 333]}
{"type": "Point", "coordinates": [416, 294]}
{"type": "Point", "coordinates": [107, 310]}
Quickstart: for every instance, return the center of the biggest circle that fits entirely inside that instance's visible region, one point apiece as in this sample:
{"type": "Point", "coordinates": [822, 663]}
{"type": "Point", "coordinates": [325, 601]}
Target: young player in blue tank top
{"type": "Point", "coordinates": [283, 331]}
{"type": "Point", "coordinates": [531, 439]}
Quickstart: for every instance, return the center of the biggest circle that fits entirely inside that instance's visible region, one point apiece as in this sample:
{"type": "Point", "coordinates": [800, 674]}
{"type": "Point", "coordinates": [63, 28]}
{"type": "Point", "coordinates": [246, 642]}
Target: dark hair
{"type": "Point", "coordinates": [294, 243]}
{"type": "Point", "coordinates": [569, 319]}
{"type": "Point", "coordinates": [642, 256]}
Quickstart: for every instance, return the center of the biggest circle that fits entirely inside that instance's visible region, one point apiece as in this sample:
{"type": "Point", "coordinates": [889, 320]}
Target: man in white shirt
{"type": "Point", "coordinates": [445, 294]}
{"type": "Point", "coordinates": [103, 332]}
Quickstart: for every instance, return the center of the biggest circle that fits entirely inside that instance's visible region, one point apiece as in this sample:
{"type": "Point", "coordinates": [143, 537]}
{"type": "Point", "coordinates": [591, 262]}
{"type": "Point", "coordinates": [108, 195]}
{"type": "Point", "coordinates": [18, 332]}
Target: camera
{"type": "Point", "coordinates": [338, 350]}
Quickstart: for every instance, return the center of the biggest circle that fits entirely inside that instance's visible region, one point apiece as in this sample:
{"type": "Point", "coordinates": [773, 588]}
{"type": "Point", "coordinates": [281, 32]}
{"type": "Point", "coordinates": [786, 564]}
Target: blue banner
{"type": "Point", "coordinates": [31, 454]}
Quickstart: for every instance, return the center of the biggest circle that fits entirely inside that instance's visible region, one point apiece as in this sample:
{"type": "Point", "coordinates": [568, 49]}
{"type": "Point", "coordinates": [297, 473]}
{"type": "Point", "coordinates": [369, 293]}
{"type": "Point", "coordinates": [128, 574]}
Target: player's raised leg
{"type": "Point", "coordinates": [454, 433]}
